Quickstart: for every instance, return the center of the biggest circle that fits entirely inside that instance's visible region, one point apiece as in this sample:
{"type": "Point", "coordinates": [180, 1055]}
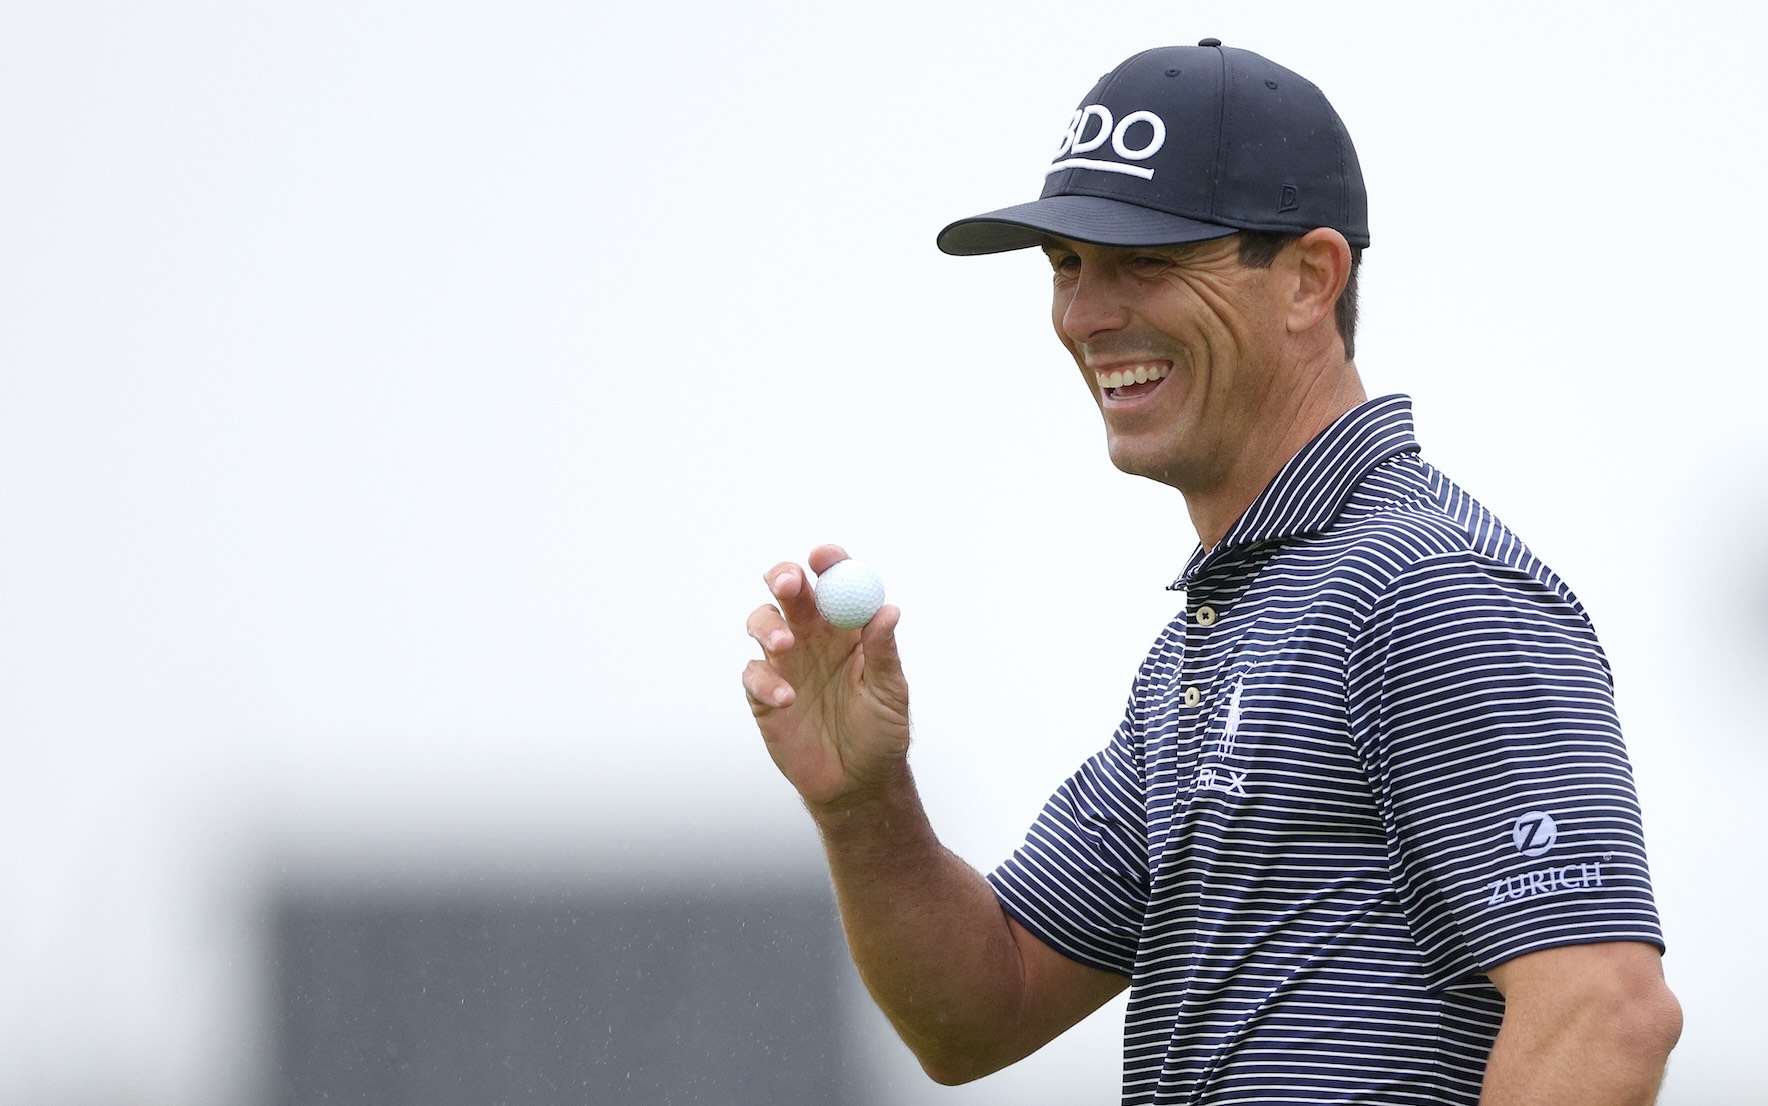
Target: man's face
{"type": "Point", "coordinates": [1178, 346]}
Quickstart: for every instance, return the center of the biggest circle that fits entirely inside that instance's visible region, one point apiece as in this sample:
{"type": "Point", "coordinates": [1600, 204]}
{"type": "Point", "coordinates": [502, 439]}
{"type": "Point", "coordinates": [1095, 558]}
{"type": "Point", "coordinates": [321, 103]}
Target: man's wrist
{"type": "Point", "coordinates": [884, 812]}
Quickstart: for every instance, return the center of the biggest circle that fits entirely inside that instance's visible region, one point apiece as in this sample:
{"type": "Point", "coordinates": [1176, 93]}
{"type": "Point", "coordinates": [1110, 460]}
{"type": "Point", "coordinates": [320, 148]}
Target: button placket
{"type": "Point", "coordinates": [1205, 616]}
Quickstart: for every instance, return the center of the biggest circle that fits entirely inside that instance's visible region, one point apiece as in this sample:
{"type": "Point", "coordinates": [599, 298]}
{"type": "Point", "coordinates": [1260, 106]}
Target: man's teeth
{"type": "Point", "coordinates": [1140, 374]}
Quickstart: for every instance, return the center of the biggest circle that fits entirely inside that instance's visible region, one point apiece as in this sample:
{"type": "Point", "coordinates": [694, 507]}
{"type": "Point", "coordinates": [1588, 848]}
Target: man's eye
{"type": "Point", "coordinates": [1151, 261]}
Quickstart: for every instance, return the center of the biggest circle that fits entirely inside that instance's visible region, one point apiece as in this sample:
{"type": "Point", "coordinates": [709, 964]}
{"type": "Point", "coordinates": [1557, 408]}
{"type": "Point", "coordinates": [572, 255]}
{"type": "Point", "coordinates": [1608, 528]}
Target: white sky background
{"type": "Point", "coordinates": [399, 403]}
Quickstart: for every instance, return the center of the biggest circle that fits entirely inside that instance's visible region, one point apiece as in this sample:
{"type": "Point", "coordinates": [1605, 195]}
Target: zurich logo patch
{"type": "Point", "coordinates": [1535, 833]}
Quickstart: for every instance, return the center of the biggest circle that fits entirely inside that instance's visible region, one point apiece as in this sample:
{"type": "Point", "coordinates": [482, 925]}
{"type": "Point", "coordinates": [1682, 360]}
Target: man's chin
{"type": "Point", "coordinates": [1138, 463]}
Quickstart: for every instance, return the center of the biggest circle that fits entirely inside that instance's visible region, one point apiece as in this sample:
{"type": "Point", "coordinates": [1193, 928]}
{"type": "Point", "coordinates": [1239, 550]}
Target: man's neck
{"type": "Point", "coordinates": [1284, 433]}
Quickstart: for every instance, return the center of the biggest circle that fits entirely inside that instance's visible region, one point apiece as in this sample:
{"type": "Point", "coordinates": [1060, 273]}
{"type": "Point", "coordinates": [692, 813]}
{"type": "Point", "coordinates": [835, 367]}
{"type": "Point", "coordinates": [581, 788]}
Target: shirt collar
{"type": "Point", "coordinates": [1308, 492]}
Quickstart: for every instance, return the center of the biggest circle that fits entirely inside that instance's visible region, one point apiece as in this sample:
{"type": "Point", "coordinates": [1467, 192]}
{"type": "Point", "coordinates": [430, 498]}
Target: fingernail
{"type": "Point", "coordinates": [779, 696]}
{"type": "Point", "coordinates": [776, 640]}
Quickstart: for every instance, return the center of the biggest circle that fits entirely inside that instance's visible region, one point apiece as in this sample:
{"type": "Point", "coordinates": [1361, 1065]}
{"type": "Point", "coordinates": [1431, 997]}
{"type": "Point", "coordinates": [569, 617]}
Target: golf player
{"type": "Point", "coordinates": [1367, 831]}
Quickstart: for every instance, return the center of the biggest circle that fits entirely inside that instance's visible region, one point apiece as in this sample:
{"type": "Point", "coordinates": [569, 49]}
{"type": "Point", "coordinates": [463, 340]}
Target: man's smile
{"type": "Point", "coordinates": [1132, 380]}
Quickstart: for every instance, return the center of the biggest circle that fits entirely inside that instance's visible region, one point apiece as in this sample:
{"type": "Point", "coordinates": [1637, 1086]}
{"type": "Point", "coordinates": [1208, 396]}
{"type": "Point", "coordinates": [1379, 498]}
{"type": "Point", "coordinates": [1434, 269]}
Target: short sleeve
{"type": "Point", "coordinates": [1483, 710]}
{"type": "Point", "coordinates": [1080, 880]}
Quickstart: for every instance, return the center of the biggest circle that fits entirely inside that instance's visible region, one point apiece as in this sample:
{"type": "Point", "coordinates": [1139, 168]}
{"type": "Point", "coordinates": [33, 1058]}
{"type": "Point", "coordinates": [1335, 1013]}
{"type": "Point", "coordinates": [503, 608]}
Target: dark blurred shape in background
{"type": "Point", "coordinates": [434, 998]}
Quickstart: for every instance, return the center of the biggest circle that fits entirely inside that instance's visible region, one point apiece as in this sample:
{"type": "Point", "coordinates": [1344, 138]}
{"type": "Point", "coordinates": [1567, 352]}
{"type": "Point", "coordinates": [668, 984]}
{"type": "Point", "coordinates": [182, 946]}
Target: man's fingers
{"type": "Point", "coordinates": [768, 627]}
{"type": "Point", "coordinates": [791, 588]}
{"type": "Point", "coordinates": [823, 556]}
{"type": "Point", "coordinates": [783, 579]}
{"type": "Point", "coordinates": [795, 596]}
{"type": "Point", "coordinates": [766, 688]}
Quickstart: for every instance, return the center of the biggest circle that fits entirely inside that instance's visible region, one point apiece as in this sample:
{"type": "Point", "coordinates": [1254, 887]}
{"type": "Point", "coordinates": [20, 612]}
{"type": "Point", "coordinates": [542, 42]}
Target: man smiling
{"type": "Point", "coordinates": [1367, 832]}
{"type": "Point", "coordinates": [1195, 380]}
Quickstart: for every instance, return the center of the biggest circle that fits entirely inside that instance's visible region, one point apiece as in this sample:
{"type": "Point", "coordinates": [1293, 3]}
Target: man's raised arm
{"type": "Point", "coordinates": [968, 989]}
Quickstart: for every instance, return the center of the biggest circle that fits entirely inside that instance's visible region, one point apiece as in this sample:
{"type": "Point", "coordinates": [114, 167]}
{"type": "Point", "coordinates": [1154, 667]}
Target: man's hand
{"type": "Point", "coordinates": [831, 704]}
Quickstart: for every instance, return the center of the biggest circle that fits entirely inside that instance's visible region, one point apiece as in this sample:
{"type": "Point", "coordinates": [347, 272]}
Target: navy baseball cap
{"type": "Point", "coordinates": [1183, 144]}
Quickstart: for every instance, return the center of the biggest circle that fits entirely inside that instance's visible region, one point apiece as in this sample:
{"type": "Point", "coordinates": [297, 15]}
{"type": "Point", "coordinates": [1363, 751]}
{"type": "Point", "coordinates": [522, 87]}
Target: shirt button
{"type": "Point", "coordinates": [1206, 616]}
{"type": "Point", "coordinates": [1193, 696]}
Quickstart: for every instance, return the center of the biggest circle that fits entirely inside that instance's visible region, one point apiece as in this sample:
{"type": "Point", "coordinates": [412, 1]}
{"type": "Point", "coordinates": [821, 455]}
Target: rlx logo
{"type": "Point", "coordinates": [1092, 126]}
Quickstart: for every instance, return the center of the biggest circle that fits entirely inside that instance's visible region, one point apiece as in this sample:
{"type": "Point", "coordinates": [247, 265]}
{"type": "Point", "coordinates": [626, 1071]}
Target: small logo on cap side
{"type": "Point", "coordinates": [1288, 200]}
{"type": "Point", "coordinates": [1082, 138]}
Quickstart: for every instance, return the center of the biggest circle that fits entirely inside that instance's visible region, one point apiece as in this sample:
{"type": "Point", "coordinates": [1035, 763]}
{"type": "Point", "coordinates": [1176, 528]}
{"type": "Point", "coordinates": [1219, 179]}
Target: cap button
{"type": "Point", "coordinates": [1210, 42]}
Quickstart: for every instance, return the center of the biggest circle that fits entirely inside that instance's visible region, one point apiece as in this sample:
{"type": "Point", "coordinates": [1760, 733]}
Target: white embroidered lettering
{"type": "Point", "coordinates": [1080, 138]}
{"type": "Point", "coordinates": [1544, 881]}
{"type": "Point", "coordinates": [1083, 144]}
{"type": "Point", "coordinates": [1156, 139]}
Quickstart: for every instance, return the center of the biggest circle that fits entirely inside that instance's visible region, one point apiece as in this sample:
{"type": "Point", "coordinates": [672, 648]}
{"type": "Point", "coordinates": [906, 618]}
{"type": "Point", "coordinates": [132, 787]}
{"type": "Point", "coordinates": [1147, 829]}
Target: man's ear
{"type": "Point", "coordinates": [1322, 260]}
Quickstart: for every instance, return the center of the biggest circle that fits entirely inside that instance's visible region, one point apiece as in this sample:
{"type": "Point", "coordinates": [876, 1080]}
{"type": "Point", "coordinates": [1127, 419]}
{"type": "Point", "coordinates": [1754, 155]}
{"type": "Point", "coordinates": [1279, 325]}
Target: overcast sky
{"type": "Point", "coordinates": [400, 402]}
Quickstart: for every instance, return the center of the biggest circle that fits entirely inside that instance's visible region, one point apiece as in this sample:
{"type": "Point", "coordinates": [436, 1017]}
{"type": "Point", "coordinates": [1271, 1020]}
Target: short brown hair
{"type": "Point", "coordinates": [1259, 248]}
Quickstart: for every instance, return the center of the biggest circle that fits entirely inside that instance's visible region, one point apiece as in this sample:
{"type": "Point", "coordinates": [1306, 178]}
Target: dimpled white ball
{"type": "Point", "coordinates": [849, 594]}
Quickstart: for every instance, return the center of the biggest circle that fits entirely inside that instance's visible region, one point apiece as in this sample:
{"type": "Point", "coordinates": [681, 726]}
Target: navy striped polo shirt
{"type": "Point", "coordinates": [1375, 755]}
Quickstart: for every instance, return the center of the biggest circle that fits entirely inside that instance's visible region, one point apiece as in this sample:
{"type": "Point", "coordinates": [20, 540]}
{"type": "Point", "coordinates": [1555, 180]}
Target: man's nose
{"type": "Point", "coordinates": [1094, 306]}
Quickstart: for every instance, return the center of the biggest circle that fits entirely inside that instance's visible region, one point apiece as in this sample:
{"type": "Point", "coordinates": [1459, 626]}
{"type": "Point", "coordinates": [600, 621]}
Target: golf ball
{"type": "Point", "coordinates": [849, 594]}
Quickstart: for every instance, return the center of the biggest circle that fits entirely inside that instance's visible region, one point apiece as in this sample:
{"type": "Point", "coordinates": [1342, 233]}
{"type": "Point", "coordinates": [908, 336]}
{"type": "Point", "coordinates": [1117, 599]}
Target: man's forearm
{"type": "Point", "coordinates": [1605, 1054]}
{"type": "Point", "coordinates": [927, 934]}
{"type": "Point", "coordinates": [1573, 1074]}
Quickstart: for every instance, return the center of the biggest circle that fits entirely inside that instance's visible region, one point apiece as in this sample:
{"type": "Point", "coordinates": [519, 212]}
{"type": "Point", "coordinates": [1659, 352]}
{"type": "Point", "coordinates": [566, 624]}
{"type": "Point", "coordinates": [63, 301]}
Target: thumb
{"type": "Point", "coordinates": [878, 643]}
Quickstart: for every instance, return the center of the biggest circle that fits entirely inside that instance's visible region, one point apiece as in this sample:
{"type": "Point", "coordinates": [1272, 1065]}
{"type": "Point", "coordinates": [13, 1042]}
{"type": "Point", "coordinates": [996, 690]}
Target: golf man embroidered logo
{"type": "Point", "coordinates": [1214, 777]}
{"type": "Point", "coordinates": [1535, 833]}
{"type": "Point", "coordinates": [1138, 136]}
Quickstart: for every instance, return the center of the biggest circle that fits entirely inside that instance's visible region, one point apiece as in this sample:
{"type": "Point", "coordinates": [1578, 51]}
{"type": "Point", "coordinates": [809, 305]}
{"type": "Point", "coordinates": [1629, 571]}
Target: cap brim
{"type": "Point", "coordinates": [1094, 219]}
